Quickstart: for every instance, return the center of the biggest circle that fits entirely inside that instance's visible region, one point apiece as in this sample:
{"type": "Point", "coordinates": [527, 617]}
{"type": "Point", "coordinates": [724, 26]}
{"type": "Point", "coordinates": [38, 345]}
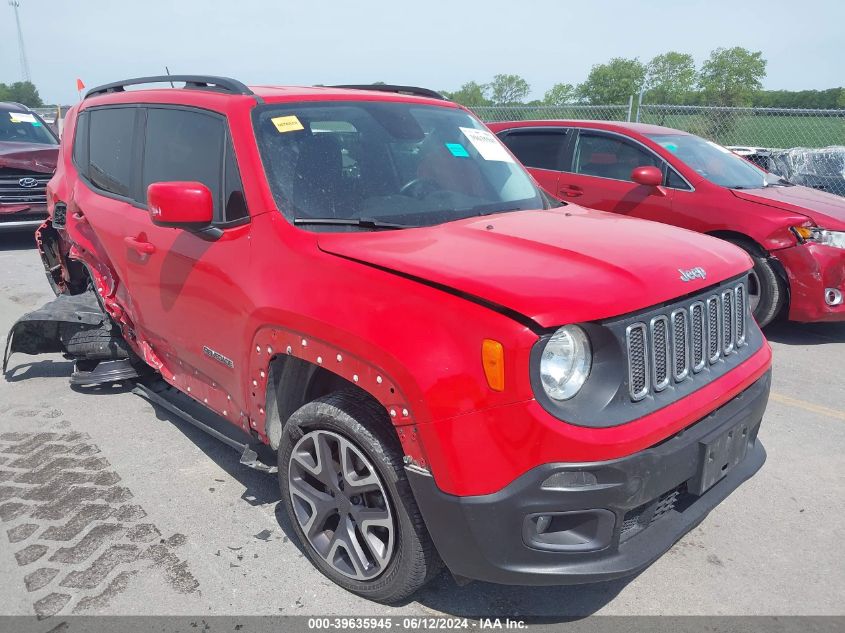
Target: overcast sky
{"type": "Point", "coordinates": [434, 43]}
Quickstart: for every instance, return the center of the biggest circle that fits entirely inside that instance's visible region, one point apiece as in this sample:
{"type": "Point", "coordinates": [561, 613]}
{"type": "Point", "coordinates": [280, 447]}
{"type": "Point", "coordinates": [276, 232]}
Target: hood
{"type": "Point", "coordinates": [29, 156]}
{"type": "Point", "coordinates": [825, 209]}
{"type": "Point", "coordinates": [555, 267]}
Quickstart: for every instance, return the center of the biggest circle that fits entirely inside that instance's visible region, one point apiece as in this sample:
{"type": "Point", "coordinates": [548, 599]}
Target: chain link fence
{"type": "Point", "coordinates": [752, 127]}
{"type": "Point", "coordinates": [806, 147]}
{"type": "Point", "coordinates": [491, 114]}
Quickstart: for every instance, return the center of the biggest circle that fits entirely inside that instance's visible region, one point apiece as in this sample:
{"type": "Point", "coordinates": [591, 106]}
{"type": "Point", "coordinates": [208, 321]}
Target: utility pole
{"type": "Point", "coordinates": [15, 4]}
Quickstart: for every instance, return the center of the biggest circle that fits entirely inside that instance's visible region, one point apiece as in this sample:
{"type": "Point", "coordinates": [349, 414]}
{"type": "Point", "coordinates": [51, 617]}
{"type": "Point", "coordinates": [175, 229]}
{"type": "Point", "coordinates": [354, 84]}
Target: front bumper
{"type": "Point", "coordinates": [811, 269]}
{"type": "Point", "coordinates": [22, 217]}
{"type": "Point", "coordinates": [608, 519]}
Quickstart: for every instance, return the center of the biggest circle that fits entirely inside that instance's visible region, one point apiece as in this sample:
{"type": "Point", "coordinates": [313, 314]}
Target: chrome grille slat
{"type": "Point", "coordinates": [740, 319]}
{"type": "Point", "coordinates": [637, 361]}
{"type": "Point", "coordinates": [728, 330]}
{"type": "Point", "coordinates": [659, 327]}
{"type": "Point", "coordinates": [680, 344]}
{"type": "Point", "coordinates": [676, 346]}
{"type": "Point", "coordinates": [698, 334]}
{"type": "Point", "coordinates": [714, 320]}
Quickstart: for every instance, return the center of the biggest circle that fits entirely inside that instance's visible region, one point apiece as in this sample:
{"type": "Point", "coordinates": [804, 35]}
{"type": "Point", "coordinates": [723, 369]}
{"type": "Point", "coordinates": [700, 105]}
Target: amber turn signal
{"type": "Point", "coordinates": [803, 232]}
{"type": "Point", "coordinates": [493, 359]}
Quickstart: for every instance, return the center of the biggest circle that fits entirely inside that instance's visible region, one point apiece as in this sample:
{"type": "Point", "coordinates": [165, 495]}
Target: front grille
{"type": "Point", "coordinates": [679, 344]}
{"type": "Point", "coordinates": [12, 192]}
{"type": "Point", "coordinates": [641, 517]}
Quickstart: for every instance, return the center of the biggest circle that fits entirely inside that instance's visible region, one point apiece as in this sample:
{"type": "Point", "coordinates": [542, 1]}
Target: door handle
{"type": "Point", "coordinates": [145, 248]}
{"type": "Point", "coordinates": [570, 191]}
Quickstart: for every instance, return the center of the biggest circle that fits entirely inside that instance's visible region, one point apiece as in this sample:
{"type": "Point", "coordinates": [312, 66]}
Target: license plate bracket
{"type": "Point", "coordinates": [719, 453]}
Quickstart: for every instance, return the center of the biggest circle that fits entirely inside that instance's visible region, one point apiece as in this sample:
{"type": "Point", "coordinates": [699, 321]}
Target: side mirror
{"type": "Point", "coordinates": [649, 176]}
{"type": "Point", "coordinates": [184, 205]}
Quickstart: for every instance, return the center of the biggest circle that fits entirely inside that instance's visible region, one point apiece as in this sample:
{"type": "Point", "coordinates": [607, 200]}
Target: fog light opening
{"type": "Point", "coordinates": [543, 523]}
{"type": "Point", "coordinates": [573, 531]}
{"type": "Point", "coordinates": [833, 296]}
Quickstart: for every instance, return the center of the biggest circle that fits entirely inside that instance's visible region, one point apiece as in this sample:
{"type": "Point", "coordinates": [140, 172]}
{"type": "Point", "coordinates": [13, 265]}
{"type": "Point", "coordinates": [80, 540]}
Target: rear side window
{"type": "Point", "coordinates": [110, 148]}
{"type": "Point", "coordinates": [80, 144]}
{"type": "Point", "coordinates": [183, 145]}
{"type": "Point", "coordinates": [610, 157]}
{"type": "Point", "coordinates": [537, 148]}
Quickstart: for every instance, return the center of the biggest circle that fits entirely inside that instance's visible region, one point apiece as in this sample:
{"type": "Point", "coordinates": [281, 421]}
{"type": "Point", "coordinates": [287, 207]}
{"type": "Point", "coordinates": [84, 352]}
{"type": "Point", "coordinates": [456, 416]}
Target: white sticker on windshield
{"type": "Point", "coordinates": [22, 117]}
{"type": "Point", "coordinates": [724, 150]}
{"type": "Point", "coordinates": [487, 145]}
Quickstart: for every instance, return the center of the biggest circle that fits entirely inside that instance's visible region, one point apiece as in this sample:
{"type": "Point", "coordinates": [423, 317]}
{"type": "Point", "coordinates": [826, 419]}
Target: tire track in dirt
{"type": "Point", "coordinates": [70, 524]}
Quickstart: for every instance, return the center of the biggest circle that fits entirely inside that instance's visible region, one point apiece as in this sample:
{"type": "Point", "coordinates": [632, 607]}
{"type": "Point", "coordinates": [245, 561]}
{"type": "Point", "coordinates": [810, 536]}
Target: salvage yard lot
{"type": "Point", "coordinates": [110, 505]}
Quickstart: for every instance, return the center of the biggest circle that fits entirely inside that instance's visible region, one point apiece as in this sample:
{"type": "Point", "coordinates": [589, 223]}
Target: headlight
{"type": "Point", "coordinates": [821, 236]}
{"type": "Point", "coordinates": [565, 363]}
{"type": "Point", "coordinates": [831, 238]}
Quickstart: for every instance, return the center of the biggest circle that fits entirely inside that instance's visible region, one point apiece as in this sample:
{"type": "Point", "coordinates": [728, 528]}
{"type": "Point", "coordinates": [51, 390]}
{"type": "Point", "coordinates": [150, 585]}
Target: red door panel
{"type": "Point", "coordinates": [600, 178]}
{"type": "Point", "coordinates": [189, 292]}
{"type": "Point", "coordinates": [617, 196]}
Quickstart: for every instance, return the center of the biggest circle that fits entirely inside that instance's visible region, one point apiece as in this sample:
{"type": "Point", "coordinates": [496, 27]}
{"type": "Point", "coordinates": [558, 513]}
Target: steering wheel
{"type": "Point", "coordinates": [418, 188]}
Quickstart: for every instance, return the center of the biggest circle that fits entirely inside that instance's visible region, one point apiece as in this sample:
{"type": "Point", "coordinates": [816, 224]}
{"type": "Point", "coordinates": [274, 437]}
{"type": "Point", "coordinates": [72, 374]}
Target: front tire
{"type": "Point", "coordinates": [344, 488]}
{"type": "Point", "coordinates": [766, 288]}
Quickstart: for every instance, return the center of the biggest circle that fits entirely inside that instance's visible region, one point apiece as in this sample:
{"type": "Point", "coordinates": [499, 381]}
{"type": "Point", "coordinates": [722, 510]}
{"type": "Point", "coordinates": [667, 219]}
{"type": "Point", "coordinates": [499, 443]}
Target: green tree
{"type": "Point", "coordinates": [670, 78]}
{"type": "Point", "coordinates": [731, 76]}
{"type": "Point", "coordinates": [560, 94]}
{"type": "Point", "coordinates": [613, 82]}
{"type": "Point", "coordinates": [23, 92]}
{"type": "Point", "coordinates": [508, 89]}
{"type": "Point", "coordinates": [471, 94]}
{"type": "Point", "coordinates": [840, 101]}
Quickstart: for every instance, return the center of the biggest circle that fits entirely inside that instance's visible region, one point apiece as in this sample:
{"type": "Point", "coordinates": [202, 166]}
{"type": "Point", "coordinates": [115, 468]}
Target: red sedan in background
{"type": "Point", "coordinates": [28, 154]}
{"type": "Point", "coordinates": [795, 235]}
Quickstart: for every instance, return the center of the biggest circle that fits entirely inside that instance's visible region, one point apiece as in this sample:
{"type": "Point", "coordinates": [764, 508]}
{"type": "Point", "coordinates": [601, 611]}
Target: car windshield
{"type": "Point", "coordinates": [24, 127]}
{"type": "Point", "coordinates": [384, 164]}
{"type": "Point", "coordinates": [716, 163]}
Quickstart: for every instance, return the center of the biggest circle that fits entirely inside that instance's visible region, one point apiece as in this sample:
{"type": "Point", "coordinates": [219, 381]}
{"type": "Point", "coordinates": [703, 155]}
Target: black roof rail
{"type": "Point", "coordinates": [405, 90]}
{"type": "Point", "coordinates": [207, 82]}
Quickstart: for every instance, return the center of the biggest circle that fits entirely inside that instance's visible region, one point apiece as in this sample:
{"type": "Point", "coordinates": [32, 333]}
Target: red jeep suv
{"type": "Point", "coordinates": [794, 234]}
{"type": "Point", "coordinates": [363, 289]}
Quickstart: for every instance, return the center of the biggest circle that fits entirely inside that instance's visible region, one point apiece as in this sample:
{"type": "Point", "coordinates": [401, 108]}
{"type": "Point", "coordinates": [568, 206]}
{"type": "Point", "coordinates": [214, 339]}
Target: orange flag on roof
{"type": "Point", "coordinates": [80, 85]}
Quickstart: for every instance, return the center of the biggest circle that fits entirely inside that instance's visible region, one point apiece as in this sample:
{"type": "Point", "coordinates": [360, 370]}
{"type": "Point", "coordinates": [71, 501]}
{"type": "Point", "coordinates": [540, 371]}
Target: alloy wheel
{"type": "Point", "coordinates": [341, 505]}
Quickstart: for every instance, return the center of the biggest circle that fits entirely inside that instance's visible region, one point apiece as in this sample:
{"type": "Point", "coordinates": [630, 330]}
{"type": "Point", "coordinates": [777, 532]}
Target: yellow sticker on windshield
{"type": "Point", "coordinates": [287, 123]}
{"type": "Point", "coordinates": [22, 117]}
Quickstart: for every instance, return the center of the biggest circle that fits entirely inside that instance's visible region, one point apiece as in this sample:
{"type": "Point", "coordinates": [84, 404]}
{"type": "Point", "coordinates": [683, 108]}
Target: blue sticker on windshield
{"type": "Point", "coordinates": [457, 150]}
{"type": "Point", "coordinates": [36, 124]}
{"type": "Point", "coordinates": [670, 146]}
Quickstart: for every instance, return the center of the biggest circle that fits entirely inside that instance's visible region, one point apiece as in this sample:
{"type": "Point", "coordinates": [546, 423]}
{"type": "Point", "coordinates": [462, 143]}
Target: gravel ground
{"type": "Point", "coordinates": [109, 505]}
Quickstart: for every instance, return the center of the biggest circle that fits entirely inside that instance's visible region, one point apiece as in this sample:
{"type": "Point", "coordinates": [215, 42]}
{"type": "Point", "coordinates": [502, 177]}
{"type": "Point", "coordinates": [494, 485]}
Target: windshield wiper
{"type": "Point", "coordinates": [370, 223]}
{"type": "Point", "coordinates": [501, 211]}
